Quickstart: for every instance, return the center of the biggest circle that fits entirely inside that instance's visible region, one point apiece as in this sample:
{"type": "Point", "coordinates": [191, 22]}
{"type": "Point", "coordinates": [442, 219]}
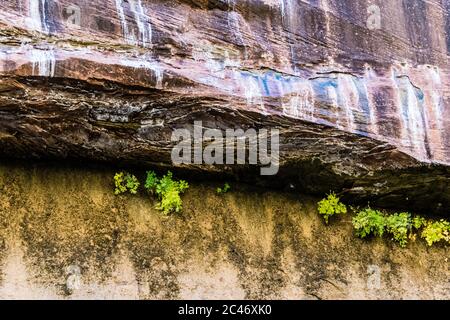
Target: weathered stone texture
{"type": "Point", "coordinates": [361, 110]}
{"type": "Point", "coordinates": [65, 235]}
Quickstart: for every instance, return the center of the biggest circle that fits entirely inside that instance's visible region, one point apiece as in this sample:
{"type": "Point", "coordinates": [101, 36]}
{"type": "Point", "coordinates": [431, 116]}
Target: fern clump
{"type": "Point", "coordinates": [125, 182]}
{"type": "Point", "coordinates": [167, 190]}
{"type": "Point", "coordinates": [398, 225]}
{"type": "Point", "coordinates": [436, 232]}
{"type": "Point", "coordinates": [418, 222]}
{"type": "Point", "coordinates": [331, 206]}
{"type": "Point", "coordinates": [151, 182]}
{"type": "Point", "coordinates": [368, 222]}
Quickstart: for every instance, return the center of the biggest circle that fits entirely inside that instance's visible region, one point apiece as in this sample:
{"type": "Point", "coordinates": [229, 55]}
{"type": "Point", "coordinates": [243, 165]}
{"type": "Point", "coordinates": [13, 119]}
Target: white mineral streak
{"type": "Point", "coordinates": [153, 66]}
{"type": "Point", "coordinates": [411, 115]}
{"type": "Point", "coordinates": [141, 20]}
{"type": "Point", "coordinates": [282, 5]}
{"type": "Point", "coordinates": [144, 26]}
{"type": "Point", "coordinates": [36, 16]}
{"type": "Point", "coordinates": [252, 89]}
{"type": "Point", "coordinates": [434, 116]}
{"type": "Point", "coordinates": [372, 118]}
{"type": "Point", "coordinates": [434, 79]}
{"type": "Point", "coordinates": [349, 101]}
{"type": "Point", "coordinates": [350, 98]}
{"type": "Point", "coordinates": [289, 20]}
{"type": "Point", "coordinates": [301, 102]}
{"type": "Point", "coordinates": [326, 8]}
{"type": "Point", "coordinates": [332, 96]}
{"type": "Point", "coordinates": [371, 77]}
{"type": "Point", "coordinates": [43, 62]}
{"type": "Point", "coordinates": [123, 21]}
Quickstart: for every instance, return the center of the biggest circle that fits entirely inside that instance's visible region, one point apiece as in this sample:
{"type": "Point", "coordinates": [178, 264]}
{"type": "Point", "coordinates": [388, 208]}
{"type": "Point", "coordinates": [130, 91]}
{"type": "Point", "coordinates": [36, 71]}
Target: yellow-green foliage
{"type": "Point", "coordinates": [418, 222]}
{"type": "Point", "coordinates": [124, 182]}
{"type": "Point", "coordinates": [170, 201]}
{"type": "Point", "coordinates": [401, 226]}
{"type": "Point", "coordinates": [331, 206]}
{"type": "Point", "coordinates": [398, 225]}
{"type": "Point", "coordinates": [436, 231]}
{"type": "Point", "coordinates": [369, 221]}
{"type": "Point", "coordinates": [167, 190]}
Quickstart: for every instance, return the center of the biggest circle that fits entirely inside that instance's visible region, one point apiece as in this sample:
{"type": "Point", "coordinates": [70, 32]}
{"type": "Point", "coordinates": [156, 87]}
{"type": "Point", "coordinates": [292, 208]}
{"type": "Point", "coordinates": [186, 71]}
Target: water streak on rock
{"type": "Point", "coordinates": [37, 18]}
{"type": "Point", "coordinates": [141, 20]}
{"type": "Point", "coordinates": [43, 62]}
{"type": "Point", "coordinates": [411, 101]}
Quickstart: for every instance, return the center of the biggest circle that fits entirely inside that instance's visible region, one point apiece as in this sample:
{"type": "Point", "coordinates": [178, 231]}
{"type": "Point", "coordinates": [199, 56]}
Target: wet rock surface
{"type": "Point", "coordinates": [64, 235]}
{"type": "Point", "coordinates": [361, 110]}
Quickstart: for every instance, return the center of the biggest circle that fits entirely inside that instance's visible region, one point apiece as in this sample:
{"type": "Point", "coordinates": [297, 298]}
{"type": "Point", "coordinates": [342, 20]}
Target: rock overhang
{"type": "Point", "coordinates": [367, 108]}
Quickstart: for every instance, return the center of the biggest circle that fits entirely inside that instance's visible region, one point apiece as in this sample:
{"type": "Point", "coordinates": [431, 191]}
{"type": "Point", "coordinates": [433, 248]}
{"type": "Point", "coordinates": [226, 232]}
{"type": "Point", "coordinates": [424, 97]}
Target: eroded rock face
{"type": "Point", "coordinates": [65, 235]}
{"type": "Point", "coordinates": [362, 100]}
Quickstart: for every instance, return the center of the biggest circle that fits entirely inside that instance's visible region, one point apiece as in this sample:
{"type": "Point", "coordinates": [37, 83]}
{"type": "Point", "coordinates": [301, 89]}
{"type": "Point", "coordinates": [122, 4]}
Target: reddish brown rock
{"type": "Point", "coordinates": [362, 108]}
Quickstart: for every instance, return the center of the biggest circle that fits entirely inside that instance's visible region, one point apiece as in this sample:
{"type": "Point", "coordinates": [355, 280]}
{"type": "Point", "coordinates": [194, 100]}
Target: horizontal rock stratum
{"type": "Point", "coordinates": [360, 90]}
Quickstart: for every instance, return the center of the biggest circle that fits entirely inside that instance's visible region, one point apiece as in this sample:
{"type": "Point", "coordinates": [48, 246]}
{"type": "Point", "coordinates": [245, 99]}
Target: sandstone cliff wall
{"type": "Point", "coordinates": [64, 235]}
{"type": "Point", "coordinates": [363, 108]}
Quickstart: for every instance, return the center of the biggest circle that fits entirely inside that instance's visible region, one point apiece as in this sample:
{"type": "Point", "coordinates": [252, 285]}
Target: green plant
{"type": "Point", "coordinates": [167, 190]}
{"type": "Point", "coordinates": [418, 222]}
{"type": "Point", "coordinates": [124, 182]}
{"type": "Point", "coordinates": [436, 231]}
{"type": "Point", "coordinates": [225, 189]}
{"type": "Point", "coordinates": [398, 225]}
{"type": "Point", "coordinates": [170, 201]}
{"type": "Point", "coordinates": [151, 181]}
{"type": "Point", "coordinates": [331, 206]}
{"type": "Point", "coordinates": [369, 221]}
